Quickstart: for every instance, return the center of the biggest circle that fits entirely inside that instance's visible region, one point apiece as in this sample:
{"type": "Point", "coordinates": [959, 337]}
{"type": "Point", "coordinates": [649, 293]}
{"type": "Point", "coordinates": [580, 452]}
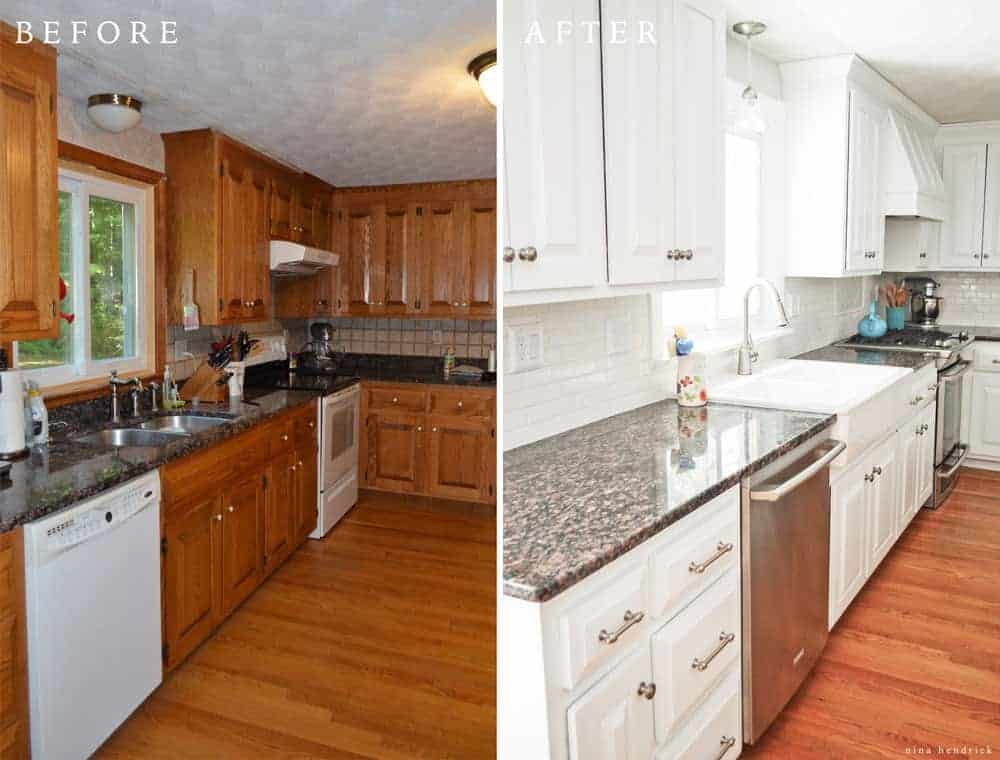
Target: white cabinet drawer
{"type": "Point", "coordinates": [921, 389]}
{"type": "Point", "coordinates": [601, 624]}
{"type": "Point", "coordinates": [613, 720]}
{"type": "Point", "coordinates": [694, 651]}
{"type": "Point", "coordinates": [715, 732]}
{"type": "Point", "coordinates": [680, 570]}
{"type": "Point", "coordinates": [986, 356]}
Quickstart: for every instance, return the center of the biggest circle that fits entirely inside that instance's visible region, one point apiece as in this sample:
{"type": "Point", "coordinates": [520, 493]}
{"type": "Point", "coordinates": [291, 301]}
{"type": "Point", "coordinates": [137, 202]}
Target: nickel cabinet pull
{"type": "Point", "coordinates": [725, 744]}
{"type": "Point", "coordinates": [630, 618]}
{"type": "Point", "coordinates": [725, 639]}
{"type": "Point", "coordinates": [720, 549]}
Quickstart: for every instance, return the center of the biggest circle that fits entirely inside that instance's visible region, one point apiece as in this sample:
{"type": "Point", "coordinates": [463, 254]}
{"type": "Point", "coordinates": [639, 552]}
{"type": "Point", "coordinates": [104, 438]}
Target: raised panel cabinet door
{"type": "Point", "coordinates": [400, 281]}
{"type": "Point", "coordinates": [395, 451]}
{"type": "Point", "coordinates": [234, 244]}
{"type": "Point", "coordinates": [883, 504]}
{"type": "Point", "coordinates": [282, 200]}
{"type": "Point", "coordinates": [303, 210]}
{"type": "Point", "coordinates": [257, 270]}
{"type": "Point", "coordinates": [985, 428]}
{"type": "Point", "coordinates": [925, 461]}
{"type": "Point", "coordinates": [908, 444]}
{"type": "Point", "coordinates": [848, 537]}
{"type": "Point", "coordinates": [699, 45]}
{"type": "Point", "coordinates": [361, 240]}
{"type": "Point", "coordinates": [864, 241]}
{"type": "Point", "coordinates": [306, 493]}
{"type": "Point", "coordinates": [442, 232]}
{"type": "Point", "coordinates": [29, 253]}
{"type": "Point", "coordinates": [279, 506]}
{"type": "Point", "coordinates": [322, 224]}
{"type": "Point", "coordinates": [479, 284]}
{"type": "Point", "coordinates": [192, 594]}
{"type": "Point", "coordinates": [991, 210]}
{"type": "Point", "coordinates": [962, 229]}
{"type": "Point", "coordinates": [458, 457]}
{"type": "Point", "coordinates": [554, 136]}
{"type": "Point", "coordinates": [242, 509]}
{"type": "Point", "coordinates": [613, 720]}
{"type": "Point", "coordinates": [639, 163]}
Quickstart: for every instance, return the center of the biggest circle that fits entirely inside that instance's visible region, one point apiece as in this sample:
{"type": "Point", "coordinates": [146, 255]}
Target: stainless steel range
{"type": "Point", "coordinates": [946, 348]}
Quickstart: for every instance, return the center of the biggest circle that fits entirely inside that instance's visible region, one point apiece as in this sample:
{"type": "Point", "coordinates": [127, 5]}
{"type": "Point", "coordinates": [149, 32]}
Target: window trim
{"type": "Point", "coordinates": [65, 379]}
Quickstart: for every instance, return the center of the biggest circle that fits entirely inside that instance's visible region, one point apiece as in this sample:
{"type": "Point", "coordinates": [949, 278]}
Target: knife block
{"type": "Point", "coordinates": [204, 385]}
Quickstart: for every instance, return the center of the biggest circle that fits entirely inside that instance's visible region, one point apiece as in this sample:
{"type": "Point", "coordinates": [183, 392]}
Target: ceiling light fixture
{"type": "Point", "coordinates": [485, 71]}
{"type": "Point", "coordinates": [748, 115]}
{"type": "Point", "coordinates": [114, 112]}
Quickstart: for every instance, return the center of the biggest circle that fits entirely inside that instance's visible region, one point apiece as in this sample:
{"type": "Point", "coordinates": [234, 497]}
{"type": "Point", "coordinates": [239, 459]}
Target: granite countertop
{"type": "Point", "coordinates": [907, 359]}
{"type": "Point", "coordinates": [64, 472]}
{"type": "Point", "coordinates": [409, 369]}
{"type": "Point", "coordinates": [576, 501]}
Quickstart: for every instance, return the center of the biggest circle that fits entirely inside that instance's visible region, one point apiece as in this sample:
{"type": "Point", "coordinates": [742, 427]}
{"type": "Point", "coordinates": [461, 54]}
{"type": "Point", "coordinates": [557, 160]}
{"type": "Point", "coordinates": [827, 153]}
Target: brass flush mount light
{"type": "Point", "coordinates": [114, 112]}
{"type": "Point", "coordinates": [485, 70]}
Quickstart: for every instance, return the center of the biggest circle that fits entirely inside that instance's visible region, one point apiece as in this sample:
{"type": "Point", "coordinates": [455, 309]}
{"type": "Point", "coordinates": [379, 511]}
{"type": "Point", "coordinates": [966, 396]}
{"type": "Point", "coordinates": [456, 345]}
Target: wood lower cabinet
{"type": "Point", "coordinates": [439, 442]}
{"type": "Point", "coordinates": [231, 515]}
{"type": "Point", "coordinates": [29, 255]}
{"type": "Point", "coordinates": [14, 734]}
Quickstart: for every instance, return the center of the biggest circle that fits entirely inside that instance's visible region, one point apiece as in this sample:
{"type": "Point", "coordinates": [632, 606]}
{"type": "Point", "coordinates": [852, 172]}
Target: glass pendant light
{"type": "Point", "coordinates": [748, 112]}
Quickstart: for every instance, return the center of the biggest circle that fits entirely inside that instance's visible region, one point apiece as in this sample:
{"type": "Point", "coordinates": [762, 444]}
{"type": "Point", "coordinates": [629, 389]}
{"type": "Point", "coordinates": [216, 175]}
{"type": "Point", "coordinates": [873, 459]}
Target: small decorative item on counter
{"type": "Point", "coordinates": [895, 305]}
{"type": "Point", "coordinates": [690, 371]}
{"type": "Point", "coordinates": [872, 326]}
{"type": "Point", "coordinates": [293, 362]}
{"type": "Point", "coordinates": [39, 434]}
{"type": "Point", "coordinates": [237, 371]}
{"type": "Point", "coordinates": [682, 343]}
{"type": "Point", "coordinates": [449, 361]}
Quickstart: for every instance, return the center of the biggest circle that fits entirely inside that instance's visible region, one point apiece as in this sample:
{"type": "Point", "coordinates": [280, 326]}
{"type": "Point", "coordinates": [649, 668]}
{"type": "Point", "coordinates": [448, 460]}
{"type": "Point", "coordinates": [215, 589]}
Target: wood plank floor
{"type": "Point", "coordinates": [377, 642]}
{"type": "Point", "coordinates": [914, 663]}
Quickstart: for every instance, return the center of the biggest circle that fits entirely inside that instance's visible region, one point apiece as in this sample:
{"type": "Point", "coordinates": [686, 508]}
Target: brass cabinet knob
{"type": "Point", "coordinates": [232, 508]}
{"type": "Point", "coordinates": [420, 428]}
{"type": "Point", "coordinates": [284, 437]}
{"type": "Point", "coordinates": [434, 429]}
{"type": "Point", "coordinates": [312, 424]}
{"type": "Point", "coordinates": [459, 404]}
{"type": "Point", "coordinates": [395, 399]}
{"type": "Point", "coordinates": [218, 517]}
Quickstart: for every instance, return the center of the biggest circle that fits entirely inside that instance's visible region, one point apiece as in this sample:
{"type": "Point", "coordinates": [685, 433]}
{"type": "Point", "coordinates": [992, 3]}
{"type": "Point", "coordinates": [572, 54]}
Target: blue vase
{"type": "Point", "coordinates": [872, 326]}
{"type": "Point", "coordinates": [895, 316]}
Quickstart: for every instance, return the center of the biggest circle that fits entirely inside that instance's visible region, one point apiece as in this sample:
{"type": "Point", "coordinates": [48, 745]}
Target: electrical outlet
{"type": "Point", "coordinates": [527, 348]}
{"type": "Point", "coordinates": [436, 338]}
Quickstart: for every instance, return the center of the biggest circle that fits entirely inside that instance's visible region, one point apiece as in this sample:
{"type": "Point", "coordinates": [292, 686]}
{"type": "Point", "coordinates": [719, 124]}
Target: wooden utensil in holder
{"type": "Point", "coordinates": [204, 385]}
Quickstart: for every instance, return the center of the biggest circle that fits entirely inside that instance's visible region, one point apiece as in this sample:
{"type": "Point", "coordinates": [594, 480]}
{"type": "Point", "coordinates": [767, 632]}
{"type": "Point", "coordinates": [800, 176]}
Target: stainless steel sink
{"type": "Point", "coordinates": [184, 423]}
{"type": "Point", "coordinates": [131, 437]}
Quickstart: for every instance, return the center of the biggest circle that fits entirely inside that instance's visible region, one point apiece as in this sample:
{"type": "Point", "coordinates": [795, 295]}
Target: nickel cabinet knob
{"type": "Point", "coordinates": [647, 690]}
{"type": "Point", "coordinates": [508, 254]}
{"type": "Point", "coordinates": [671, 254]}
{"type": "Point", "coordinates": [528, 254]}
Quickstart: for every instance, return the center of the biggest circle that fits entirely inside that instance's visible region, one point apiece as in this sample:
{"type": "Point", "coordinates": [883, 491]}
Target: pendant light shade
{"type": "Point", "coordinates": [485, 71]}
{"type": "Point", "coordinates": [114, 112]}
{"type": "Point", "coordinates": [748, 113]}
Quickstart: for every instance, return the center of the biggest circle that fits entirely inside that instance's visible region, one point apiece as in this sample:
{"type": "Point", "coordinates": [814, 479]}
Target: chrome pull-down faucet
{"type": "Point", "coordinates": [747, 354]}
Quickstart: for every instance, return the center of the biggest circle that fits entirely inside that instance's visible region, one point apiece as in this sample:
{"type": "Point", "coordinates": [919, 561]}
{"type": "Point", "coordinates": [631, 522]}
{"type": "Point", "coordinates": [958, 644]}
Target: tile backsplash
{"type": "Point", "coordinates": [970, 298]}
{"type": "Point", "coordinates": [471, 338]}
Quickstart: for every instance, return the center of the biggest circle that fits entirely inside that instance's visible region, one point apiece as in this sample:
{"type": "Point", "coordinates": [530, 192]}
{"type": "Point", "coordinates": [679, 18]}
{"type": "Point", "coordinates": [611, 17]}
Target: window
{"type": "Point", "coordinates": [103, 261]}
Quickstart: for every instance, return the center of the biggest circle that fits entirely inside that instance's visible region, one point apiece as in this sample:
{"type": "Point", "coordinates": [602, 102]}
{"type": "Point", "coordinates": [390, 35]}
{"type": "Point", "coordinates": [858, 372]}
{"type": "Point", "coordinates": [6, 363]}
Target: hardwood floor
{"type": "Point", "coordinates": [377, 642]}
{"type": "Point", "coordinates": [914, 663]}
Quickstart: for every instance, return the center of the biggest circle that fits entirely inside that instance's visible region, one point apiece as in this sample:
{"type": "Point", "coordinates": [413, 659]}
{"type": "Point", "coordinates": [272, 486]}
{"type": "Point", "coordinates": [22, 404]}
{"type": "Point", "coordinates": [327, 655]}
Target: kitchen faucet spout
{"type": "Point", "coordinates": [747, 354]}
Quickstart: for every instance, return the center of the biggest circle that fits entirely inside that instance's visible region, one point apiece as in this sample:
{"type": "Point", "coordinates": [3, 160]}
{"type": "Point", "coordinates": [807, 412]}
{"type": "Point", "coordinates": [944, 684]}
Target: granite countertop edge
{"type": "Point", "coordinates": [559, 583]}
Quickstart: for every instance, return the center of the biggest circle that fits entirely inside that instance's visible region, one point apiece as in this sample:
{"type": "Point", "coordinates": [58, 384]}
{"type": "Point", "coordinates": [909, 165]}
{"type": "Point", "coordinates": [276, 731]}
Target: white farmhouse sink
{"type": "Point", "coordinates": [865, 398]}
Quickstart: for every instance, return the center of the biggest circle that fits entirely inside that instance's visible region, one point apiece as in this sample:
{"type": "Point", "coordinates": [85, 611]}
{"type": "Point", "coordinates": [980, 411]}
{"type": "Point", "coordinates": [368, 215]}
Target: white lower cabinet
{"type": "Point", "coordinates": [848, 536]}
{"type": "Point", "coordinates": [915, 446]}
{"type": "Point", "coordinates": [715, 732]}
{"type": "Point", "coordinates": [882, 503]}
{"type": "Point", "coordinates": [984, 421]}
{"type": "Point", "coordinates": [614, 719]}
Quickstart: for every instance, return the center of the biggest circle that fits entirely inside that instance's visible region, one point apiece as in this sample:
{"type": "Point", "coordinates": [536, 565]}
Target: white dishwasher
{"type": "Point", "coordinates": [92, 581]}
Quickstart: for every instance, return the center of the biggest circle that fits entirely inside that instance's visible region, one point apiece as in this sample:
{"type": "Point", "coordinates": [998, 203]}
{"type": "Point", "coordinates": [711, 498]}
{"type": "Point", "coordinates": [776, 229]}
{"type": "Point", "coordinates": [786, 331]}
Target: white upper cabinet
{"type": "Point", "coordinates": [664, 140]}
{"type": "Point", "coordinates": [990, 258]}
{"type": "Point", "coordinates": [553, 144]}
{"type": "Point", "coordinates": [865, 222]}
{"type": "Point", "coordinates": [962, 231]}
{"type": "Point", "coordinates": [911, 244]}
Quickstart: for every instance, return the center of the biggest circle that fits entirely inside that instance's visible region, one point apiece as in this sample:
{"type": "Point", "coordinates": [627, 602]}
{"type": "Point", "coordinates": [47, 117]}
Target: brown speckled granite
{"type": "Point", "coordinates": [576, 501]}
{"type": "Point", "coordinates": [64, 472]}
{"type": "Point", "coordinates": [905, 359]}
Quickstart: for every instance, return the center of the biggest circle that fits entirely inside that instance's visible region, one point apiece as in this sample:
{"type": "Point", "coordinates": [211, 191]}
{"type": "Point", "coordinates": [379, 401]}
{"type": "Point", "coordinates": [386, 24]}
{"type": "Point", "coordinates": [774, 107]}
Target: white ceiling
{"type": "Point", "coordinates": [944, 54]}
{"type": "Point", "coordinates": [353, 91]}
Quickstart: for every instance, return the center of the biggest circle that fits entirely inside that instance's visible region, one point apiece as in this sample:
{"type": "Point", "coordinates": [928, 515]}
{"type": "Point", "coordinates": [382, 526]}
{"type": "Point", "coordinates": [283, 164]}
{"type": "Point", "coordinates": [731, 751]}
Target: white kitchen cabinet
{"type": "Point", "coordinates": [911, 245]}
{"type": "Point", "coordinates": [554, 146]}
{"type": "Point", "coordinates": [990, 258]}
{"type": "Point", "coordinates": [865, 222]}
{"type": "Point", "coordinates": [848, 536]}
{"type": "Point", "coordinates": [962, 231]}
{"type": "Point", "coordinates": [882, 497]}
{"type": "Point", "coordinates": [613, 720]}
{"type": "Point", "coordinates": [908, 441]}
{"type": "Point", "coordinates": [984, 428]}
{"type": "Point", "coordinates": [664, 142]}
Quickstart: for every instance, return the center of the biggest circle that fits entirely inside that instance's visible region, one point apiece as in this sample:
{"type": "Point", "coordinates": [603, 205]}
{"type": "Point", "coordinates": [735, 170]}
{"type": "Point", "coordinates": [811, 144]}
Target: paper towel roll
{"type": "Point", "coordinates": [11, 414]}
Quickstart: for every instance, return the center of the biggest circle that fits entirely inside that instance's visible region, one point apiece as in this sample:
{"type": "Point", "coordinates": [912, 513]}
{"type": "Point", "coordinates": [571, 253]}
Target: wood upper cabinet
{"type": "Point", "coordinates": [480, 281]}
{"type": "Point", "coordinates": [29, 253]}
{"type": "Point", "coordinates": [282, 200]}
{"type": "Point", "coordinates": [362, 223]}
{"type": "Point", "coordinates": [396, 263]}
{"type": "Point", "coordinates": [443, 256]}
{"type": "Point", "coordinates": [192, 592]}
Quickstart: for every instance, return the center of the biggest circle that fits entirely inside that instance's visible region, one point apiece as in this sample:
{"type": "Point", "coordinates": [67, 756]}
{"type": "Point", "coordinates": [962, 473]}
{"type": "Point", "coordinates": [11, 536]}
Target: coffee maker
{"type": "Point", "coordinates": [926, 301]}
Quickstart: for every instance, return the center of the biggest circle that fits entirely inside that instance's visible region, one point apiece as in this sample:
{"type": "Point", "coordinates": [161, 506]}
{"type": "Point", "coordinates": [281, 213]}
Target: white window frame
{"type": "Point", "coordinates": [83, 185]}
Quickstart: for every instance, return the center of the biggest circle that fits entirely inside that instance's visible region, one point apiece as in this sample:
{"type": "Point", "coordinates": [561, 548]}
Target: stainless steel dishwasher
{"type": "Point", "coordinates": [785, 526]}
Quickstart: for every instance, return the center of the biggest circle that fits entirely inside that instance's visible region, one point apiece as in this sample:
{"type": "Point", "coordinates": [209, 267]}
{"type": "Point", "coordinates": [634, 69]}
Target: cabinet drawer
{"type": "Point", "coordinates": [394, 398]}
{"type": "Point", "coordinates": [613, 719]}
{"type": "Point", "coordinates": [602, 624]}
{"type": "Point", "coordinates": [462, 404]}
{"type": "Point", "coordinates": [986, 356]}
{"type": "Point", "coordinates": [694, 651]}
{"type": "Point", "coordinates": [715, 732]}
{"type": "Point", "coordinates": [922, 388]}
{"type": "Point", "coordinates": [680, 570]}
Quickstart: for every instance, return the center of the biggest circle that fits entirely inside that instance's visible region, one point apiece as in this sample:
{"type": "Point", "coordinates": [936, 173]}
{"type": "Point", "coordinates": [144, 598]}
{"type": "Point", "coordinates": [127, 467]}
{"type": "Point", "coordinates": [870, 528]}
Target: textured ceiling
{"type": "Point", "coordinates": [356, 92]}
{"type": "Point", "coordinates": [944, 54]}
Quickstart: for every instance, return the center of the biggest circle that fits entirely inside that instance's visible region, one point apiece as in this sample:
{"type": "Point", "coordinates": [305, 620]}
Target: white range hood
{"type": "Point", "coordinates": [290, 259]}
{"type": "Point", "coordinates": [913, 186]}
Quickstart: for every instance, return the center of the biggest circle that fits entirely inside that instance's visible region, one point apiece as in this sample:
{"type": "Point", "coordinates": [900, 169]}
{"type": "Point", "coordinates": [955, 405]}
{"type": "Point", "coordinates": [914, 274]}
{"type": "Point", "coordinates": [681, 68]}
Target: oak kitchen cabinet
{"type": "Point", "coordinates": [225, 203]}
{"type": "Point", "coordinates": [231, 514]}
{"type": "Point", "coordinates": [436, 442]}
{"type": "Point", "coordinates": [29, 258]}
{"type": "Point", "coordinates": [14, 733]}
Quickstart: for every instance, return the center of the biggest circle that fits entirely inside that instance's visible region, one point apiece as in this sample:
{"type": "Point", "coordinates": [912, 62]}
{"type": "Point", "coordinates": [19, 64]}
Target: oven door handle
{"type": "Point", "coordinates": [964, 366]}
{"type": "Point", "coordinates": [954, 468]}
{"type": "Point", "coordinates": [776, 493]}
